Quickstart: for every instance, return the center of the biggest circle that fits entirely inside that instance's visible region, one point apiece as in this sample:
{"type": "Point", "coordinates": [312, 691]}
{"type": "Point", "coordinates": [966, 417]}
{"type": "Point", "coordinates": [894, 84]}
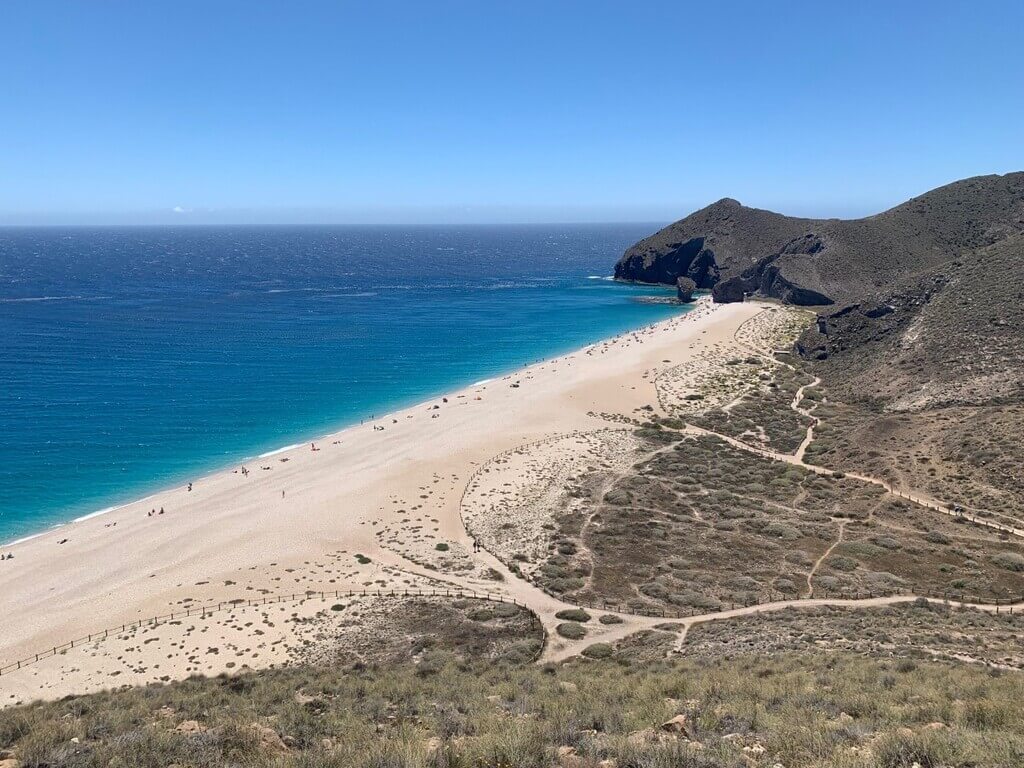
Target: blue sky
{"type": "Point", "coordinates": [496, 111]}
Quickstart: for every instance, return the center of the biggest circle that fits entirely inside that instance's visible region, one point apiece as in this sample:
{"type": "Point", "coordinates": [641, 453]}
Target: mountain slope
{"type": "Point", "coordinates": [955, 336]}
{"type": "Point", "coordinates": [732, 249]}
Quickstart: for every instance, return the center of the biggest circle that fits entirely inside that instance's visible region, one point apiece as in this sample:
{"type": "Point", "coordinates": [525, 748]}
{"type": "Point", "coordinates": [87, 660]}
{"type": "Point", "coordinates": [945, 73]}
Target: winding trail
{"type": "Point", "coordinates": [815, 421]}
{"type": "Point", "coordinates": [546, 606]}
{"type": "Point", "coordinates": [797, 458]}
{"type": "Point", "coordinates": [817, 563]}
{"type": "Point", "coordinates": [921, 499]}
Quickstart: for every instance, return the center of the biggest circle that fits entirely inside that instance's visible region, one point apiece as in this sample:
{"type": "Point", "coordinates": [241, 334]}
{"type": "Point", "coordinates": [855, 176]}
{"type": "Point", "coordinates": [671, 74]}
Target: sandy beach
{"type": "Point", "coordinates": [366, 509]}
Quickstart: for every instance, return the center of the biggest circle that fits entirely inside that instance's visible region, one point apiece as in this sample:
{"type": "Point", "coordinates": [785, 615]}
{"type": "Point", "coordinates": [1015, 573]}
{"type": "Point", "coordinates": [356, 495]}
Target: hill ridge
{"type": "Point", "coordinates": [735, 250]}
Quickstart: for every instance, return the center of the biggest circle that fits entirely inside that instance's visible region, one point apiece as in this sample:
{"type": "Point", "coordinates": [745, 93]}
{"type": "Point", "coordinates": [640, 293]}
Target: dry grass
{"type": "Point", "coordinates": [909, 630]}
{"type": "Point", "coordinates": [800, 710]}
{"type": "Point", "coordinates": [699, 525]}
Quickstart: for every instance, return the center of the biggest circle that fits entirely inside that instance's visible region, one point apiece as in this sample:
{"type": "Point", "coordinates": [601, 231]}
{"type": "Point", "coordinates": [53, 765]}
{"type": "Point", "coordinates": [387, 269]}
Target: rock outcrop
{"type": "Point", "coordinates": [685, 287]}
{"type": "Point", "coordinates": [954, 336]}
{"type": "Point", "coordinates": [734, 250]}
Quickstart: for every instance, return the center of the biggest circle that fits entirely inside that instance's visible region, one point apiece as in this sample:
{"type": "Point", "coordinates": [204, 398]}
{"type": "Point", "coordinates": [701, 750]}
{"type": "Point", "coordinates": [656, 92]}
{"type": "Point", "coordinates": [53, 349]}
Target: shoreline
{"type": "Point", "coordinates": [154, 489]}
{"type": "Point", "coordinates": [366, 509]}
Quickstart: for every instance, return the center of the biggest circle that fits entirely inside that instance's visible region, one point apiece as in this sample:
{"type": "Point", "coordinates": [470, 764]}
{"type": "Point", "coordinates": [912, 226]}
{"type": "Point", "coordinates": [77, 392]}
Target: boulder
{"type": "Point", "coordinates": [680, 724]}
{"type": "Point", "coordinates": [269, 738]}
{"type": "Point", "coordinates": [685, 288]}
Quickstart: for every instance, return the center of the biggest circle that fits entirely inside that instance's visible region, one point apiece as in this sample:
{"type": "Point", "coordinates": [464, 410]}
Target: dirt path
{"type": "Point", "coordinates": [623, 630]}
{"type": "Point", "coordinates": [546, 606]}
{"type": "Point", "coordinates": [824, 556]}
{"type": "Point", "coordinates": [918, 498]}
{"type": "Point", "coordinates": [797, 459]}
{"type": "Point", "coordinates": [815, 421]}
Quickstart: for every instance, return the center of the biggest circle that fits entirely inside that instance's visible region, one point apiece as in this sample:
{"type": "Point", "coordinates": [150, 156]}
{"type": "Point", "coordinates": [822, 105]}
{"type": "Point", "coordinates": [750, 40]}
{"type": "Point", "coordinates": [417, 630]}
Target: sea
{"type": "Point", "coordinates": [134, 359]}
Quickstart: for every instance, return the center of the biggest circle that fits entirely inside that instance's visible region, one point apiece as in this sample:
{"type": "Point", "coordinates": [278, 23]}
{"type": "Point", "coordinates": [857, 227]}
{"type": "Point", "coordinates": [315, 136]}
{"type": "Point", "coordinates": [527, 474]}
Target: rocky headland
{"type": "Point", "coordinates": [735, 251]}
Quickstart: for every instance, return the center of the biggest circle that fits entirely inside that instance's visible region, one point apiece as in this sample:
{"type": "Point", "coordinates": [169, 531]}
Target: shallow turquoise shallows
{"type": "Point", "coordinates": [132, 359]}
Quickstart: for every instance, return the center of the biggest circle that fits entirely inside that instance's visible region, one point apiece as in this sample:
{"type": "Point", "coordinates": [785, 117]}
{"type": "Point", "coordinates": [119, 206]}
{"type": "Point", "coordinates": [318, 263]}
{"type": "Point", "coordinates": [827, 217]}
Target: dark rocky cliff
{"type": "Point", "coordinates": [731, 249]}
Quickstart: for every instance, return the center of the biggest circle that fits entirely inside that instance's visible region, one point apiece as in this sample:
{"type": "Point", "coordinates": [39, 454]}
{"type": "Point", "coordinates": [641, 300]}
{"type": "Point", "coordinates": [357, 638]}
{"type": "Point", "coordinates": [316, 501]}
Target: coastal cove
{"type": "Point", "coordinates": [138, 359]}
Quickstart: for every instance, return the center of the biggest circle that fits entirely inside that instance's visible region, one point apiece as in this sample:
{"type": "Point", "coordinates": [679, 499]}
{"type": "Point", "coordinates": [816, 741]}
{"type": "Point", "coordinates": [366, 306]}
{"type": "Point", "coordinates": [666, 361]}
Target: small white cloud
{"type": "Point", "coordinates": [179, 209]}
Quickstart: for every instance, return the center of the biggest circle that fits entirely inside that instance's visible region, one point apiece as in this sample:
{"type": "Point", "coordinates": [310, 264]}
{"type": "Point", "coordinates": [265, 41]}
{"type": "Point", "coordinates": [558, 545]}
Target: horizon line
{"type": "Point", "coordinates": [202, 224]}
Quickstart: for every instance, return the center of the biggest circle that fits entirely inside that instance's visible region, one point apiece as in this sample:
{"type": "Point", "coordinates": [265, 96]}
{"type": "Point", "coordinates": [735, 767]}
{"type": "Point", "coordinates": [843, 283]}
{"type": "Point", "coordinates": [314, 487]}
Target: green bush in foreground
{"type": "Point", "coordinates": [798, 710]}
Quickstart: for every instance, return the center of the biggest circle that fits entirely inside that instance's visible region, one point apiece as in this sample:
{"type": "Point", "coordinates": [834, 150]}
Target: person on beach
{"type": "Point", "coordinates": [190, 487]}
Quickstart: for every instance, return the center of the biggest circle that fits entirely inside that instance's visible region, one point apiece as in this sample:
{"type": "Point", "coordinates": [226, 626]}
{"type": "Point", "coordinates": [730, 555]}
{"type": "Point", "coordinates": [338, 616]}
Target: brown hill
{"type": "Point", "coordinates": [732, 249]}
{"type": "Point", "coordinates": [955, 336]}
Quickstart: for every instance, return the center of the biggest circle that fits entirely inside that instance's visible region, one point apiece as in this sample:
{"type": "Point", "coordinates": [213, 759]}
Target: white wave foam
{"type": "Point", "coordinates": [280, 450]}
{"type": "Point", "coordinates": [21, 299]}
{"type": "Point", "coordinates": [91, 515]}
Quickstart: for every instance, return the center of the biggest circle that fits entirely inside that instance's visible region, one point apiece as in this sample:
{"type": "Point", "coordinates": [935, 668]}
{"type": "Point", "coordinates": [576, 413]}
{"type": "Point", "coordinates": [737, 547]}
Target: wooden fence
{"type": "Point", "coordinates": [207, 610]}
{"type": "Point", "coordinates": [203, 611]}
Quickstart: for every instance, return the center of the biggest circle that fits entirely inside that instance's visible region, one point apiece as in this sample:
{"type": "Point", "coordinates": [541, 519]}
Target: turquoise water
{"type": "Point", "coordinates": [133, 359]}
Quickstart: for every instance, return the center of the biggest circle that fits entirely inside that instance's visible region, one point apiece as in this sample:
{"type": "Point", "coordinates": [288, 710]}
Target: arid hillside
{"type": "Point", "coordinates": [732, 249]}
{"type": "Point", "coordinates": [955, 336]}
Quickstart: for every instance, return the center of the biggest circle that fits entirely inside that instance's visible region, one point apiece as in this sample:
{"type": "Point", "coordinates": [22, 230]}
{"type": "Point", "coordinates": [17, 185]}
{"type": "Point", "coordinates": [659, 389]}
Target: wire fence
{"type": "Point", "coordinates": [203, 611]}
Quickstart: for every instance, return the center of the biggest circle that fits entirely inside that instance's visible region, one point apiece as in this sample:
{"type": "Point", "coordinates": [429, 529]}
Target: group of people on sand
{"type": "Point", "coordinates": [8, 556]}
{"type": "Point", "coordinates": [154, 512]}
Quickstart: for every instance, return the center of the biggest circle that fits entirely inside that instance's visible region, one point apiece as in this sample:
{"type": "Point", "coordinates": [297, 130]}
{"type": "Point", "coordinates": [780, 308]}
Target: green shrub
{"type": "Point", "coordinates": [573, 614]}
{"type": "Point", "coordinates": [571, 630]}
{"type": "Point", "coordinates": [1011, 561]}
{"type": "Point", "coordinates": [598, 651]}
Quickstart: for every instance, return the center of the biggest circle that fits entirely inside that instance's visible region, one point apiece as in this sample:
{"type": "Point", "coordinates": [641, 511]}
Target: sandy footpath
{"type": "Point", "coordinates": [388, 491]}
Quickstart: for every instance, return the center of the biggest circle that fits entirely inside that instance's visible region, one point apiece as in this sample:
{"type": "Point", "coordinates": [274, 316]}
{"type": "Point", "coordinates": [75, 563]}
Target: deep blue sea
{"type": "Point", "coordinates": [132, 359]}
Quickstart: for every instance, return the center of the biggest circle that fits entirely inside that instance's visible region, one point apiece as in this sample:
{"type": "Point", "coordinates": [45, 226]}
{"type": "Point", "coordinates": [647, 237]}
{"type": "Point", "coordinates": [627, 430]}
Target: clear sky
{"type": "Point", "coordinates": [258, 111]}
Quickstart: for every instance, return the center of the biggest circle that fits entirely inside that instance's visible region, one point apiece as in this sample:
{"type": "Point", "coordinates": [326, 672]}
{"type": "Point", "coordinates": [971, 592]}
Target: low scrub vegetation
{"type": "Point", "coordinates": [798, 710]}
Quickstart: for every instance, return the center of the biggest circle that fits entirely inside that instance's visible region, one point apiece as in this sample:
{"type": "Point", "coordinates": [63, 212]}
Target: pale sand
{"type": "Point", "coordinates": [236, 537]}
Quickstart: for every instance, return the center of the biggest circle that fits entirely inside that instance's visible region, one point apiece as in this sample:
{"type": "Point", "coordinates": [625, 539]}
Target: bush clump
{"type": "Point", "coordinates": [571, 630]}
{"type": "Point", "coordinates": [1011, 561]}
{"type": "Point", "coordinates": [573, 614]}
{"type": "Point", "coordinates": [598, 651]}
